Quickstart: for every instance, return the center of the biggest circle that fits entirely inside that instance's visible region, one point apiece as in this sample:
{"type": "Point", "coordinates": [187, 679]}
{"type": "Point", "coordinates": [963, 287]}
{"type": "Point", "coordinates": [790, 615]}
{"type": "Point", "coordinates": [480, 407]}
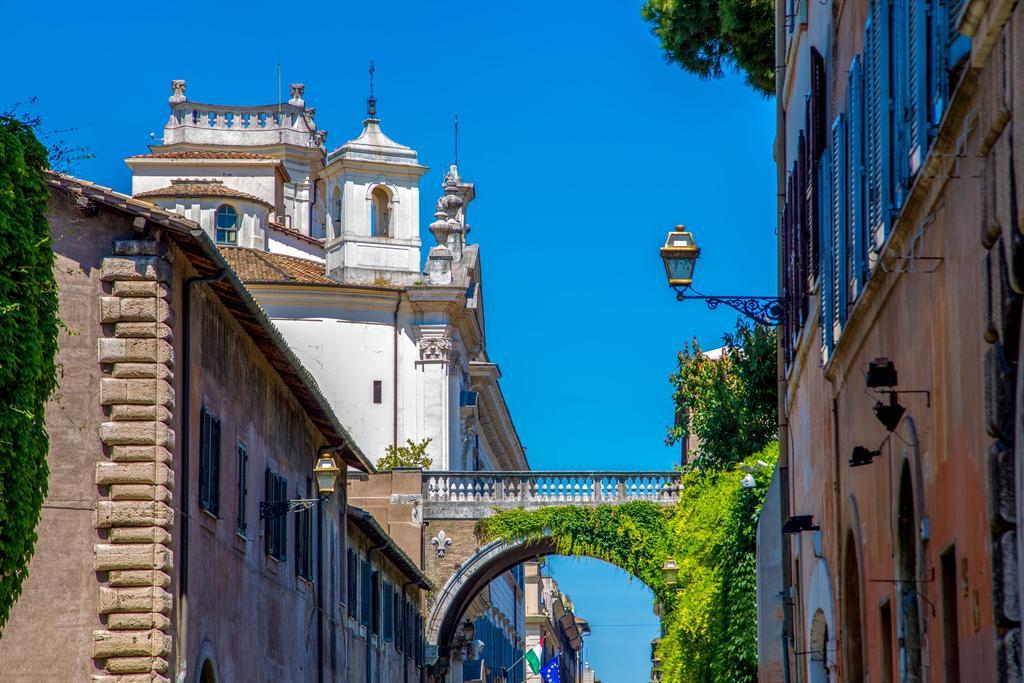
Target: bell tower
{"type": "Point", "coordinates": [372, 190]}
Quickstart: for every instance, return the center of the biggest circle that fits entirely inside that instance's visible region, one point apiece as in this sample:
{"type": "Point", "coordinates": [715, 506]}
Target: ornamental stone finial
{"type": "Point", "coordinates": [297, 91]}
{"type": "Point", "coordinates": [177, 91]}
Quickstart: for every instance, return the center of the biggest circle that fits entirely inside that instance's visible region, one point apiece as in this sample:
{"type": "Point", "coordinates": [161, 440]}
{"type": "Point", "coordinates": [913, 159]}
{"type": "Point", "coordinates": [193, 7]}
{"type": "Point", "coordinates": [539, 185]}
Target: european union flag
{"type": "Point", "coordinates": [549, 674]}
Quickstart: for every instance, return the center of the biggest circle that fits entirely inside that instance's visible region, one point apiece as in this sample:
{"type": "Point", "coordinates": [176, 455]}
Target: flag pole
{"type": "Point", "coordinates": [510, 666]}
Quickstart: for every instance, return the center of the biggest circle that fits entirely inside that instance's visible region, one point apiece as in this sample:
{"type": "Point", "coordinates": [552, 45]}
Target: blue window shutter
{"type": "Point", "coordinates": [839, 227]}
{"type": "Point", "coordinates": [857, 254]}
{"type": "Point", "coordinates": [879, 122]}
{"type": "Point", "coordinates": [827, 252]}
{"type": "Point", "coordinates": [918, 50]}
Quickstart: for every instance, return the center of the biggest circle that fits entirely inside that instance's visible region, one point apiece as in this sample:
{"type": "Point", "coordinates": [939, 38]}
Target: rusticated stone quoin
{"type": "Point", "coordinates": [134, 561]}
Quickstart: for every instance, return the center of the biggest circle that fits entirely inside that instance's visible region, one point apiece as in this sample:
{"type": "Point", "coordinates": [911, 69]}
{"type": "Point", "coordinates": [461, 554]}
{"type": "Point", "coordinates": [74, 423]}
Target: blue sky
{"type": "Point", "coordinates": [586, 147]}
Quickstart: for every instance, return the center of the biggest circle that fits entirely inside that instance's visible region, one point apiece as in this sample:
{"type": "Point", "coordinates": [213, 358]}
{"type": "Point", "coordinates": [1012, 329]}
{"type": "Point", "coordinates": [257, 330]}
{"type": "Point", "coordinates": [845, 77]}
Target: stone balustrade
{"type": "Point", "coordinates": [195, 123]}
{"type": "Point", "coordinates": [470, 494]}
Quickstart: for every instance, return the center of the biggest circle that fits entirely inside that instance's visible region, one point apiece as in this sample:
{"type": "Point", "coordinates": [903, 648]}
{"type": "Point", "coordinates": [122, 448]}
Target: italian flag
{"type": "Point", "coordinates": [533, 656]}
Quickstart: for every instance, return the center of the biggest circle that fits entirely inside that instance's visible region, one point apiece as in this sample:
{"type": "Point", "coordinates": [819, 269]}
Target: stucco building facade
{"type": "Point", "coordinates": [899, 180]}
{"type": "Point", "coordinates": [181, 413]}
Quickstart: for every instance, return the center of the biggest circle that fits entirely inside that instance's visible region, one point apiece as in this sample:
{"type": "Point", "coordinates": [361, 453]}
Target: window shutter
{"type": "Point", "coordinates": [282, 520]}
{"type": "Point", "coordinates": [879, 122]}
{"type": "Point", "coordinates": [365, 594]}
{"type": "Point", "coordinates": [375, 600]}
{"type": "Point", "coordinates": [389, 612]}
{"type": "Point", "coordinates": [214, 465]}
{"type": "Point", "coordinates": [920, 88]}
{"type": "Point", "coordinates": [300, 543]}
{"type": "Point", "coordinates": [351, 583]}
{"type": "Point", "coordinates": [268, 524]}
{"type": "Point", "coordinates": [204, 459]}
{"type": "Point", "coordinates": [242, 490]}
{"type": "Point", "coordinates": [825, 283]}
{"type": "Point", "coordinates": [856, 255]}
{"type": "Point", "coordinates": [839, 227]}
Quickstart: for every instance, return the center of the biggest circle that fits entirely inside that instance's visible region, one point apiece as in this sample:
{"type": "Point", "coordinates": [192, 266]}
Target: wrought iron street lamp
{"type": "Point", "coordinates": [680, 255]}
{"type": "Point", "coordinates": [326, 473]}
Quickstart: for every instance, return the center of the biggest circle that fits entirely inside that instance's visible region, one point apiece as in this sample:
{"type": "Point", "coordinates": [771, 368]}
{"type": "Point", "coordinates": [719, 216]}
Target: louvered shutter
{"type": "Point", "coordinates": [840, 231]}
{"type": "Point", "coordinates": [389, 612]}
{"type": "Point", "coordinates": [857, 253]}
{"type": "Point", "coordinates": [351, 583]}
{"type": "Point", "coordinates": [956, 45]}
{"type": "Point", "coordinates": [805, 283]}
{"type": "Point", "coordinates": [828, 252]}
{"type": "Point", "coordinates": [214, 485]}
{"type": "Point", "coordinates": [365, 594]}
{"type": "Point", "coordinates": [879, 123]}
{"type": "Point", "coordinates": [268, 524]}
{"type": "Point", "coordinates": [204, 459]}
{"type": "Point", "coordinates": [920, 90]}
{"type": "Point", "coordinates": [282, 520]}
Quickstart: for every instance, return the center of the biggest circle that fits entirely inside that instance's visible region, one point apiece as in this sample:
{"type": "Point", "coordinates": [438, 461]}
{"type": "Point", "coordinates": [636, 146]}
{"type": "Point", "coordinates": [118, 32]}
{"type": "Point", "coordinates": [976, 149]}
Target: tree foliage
{"type": "Point", "coordinates": [729, 403]}
{"type": "Point", "coordinates": [412, 454]}
{"type": "Point", "coordinates": [28, 344]}
{"type": "Point", "coordinates": [710, 634]}
{"type": "Point", "coordinates": [706, 37]}
{"type": "Point", "coordinates": [710, 613]}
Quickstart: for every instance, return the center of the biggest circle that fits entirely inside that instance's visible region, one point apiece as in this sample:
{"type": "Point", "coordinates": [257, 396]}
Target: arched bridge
{"type": "Point", "coordinates": [455, 560]}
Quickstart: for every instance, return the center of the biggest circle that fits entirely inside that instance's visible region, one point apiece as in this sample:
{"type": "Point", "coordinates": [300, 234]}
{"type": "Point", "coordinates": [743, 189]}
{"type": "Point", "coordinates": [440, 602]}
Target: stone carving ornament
{"type": "Point", "coordinates": [177, 90]}
{"type": "Point", "coordinates": [435, 348]}
{"type": "Point", "coordinates": [441, 542]}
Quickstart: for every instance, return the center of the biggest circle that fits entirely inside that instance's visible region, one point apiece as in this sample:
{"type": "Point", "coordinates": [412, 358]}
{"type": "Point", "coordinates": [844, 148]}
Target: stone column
{"type": "Point", "coordinates": [134, 515]}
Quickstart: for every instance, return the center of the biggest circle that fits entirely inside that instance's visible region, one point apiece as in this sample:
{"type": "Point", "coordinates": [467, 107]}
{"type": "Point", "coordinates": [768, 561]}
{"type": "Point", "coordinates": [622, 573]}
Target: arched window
{"type": "Point", "coordinates": [336, 210]}
{"type": "Point", "coordinates": [380, 213]}
{"type": "Point", "coordinates": [819, 659]}
{"type": "Point", "coordinates": [227, 224]}
{"type": "Point", "coordinates": [909, 624]}
{"type": "Point", "coordinates": [853, 647]}
{"type": "Point", "coordinates": [206, 674]}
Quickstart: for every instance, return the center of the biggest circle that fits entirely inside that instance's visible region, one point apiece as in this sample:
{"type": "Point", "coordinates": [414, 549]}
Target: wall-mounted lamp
{"type": "Point", "coordinates": [800, 523]}
{"type": "Point", "coordinates": [326, 472]}
{"type": "Point", "coordinates": [881, 373]}
{"type": "Point", "coordinates": [889, 415]}
{"type": "Point", "coordinates": [863, 456]}
{"type": "Point", "coordinates": [670, 570]}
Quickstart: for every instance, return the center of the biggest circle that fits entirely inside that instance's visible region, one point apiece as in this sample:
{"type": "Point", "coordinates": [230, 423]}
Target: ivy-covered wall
{"type": "Point", "coordinates": [28, 343]}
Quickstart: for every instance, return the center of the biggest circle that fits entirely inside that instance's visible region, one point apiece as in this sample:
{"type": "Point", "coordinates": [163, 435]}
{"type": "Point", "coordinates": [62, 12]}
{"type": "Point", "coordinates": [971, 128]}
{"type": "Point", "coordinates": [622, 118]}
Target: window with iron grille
{"type": "Point", "coordinates": [352, 583]}
{"type": "Point", "coordinates": [242, 487]}
{"type": "Point", "coordinates": [304, 542]}
{"type": "Point", "coordinates": [275, 530]}
{"type": "Point", "coordinates": [209, 462]}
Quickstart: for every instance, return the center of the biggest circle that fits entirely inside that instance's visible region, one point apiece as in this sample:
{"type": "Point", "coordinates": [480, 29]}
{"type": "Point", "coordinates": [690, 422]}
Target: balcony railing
{"type": "Point", "coordinates": [536, 489]}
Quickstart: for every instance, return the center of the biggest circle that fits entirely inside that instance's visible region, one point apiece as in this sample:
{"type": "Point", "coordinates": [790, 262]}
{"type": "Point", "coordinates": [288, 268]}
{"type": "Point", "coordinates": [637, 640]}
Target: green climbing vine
{"type": "Point", "coordinates": [28, 344]}
{"type": "Point", "coordinates": [709, 613]}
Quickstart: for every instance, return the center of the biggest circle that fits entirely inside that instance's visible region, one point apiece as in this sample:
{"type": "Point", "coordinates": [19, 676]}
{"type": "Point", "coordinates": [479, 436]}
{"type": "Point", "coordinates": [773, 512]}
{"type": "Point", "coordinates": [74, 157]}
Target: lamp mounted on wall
{"type": "Point", "coordinates": [800, 523]}
{"type": "Point", "coordinates": [882, 377]}
{"type": "Point", "coordinates": [863, 456]}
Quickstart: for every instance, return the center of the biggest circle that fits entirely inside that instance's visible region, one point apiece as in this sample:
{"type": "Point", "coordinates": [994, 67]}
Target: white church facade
{"type": "Point", "coordinates": [328, 243]}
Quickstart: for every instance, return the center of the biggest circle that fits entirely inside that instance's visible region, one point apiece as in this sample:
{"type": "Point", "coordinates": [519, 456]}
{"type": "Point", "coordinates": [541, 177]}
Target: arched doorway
{"type": "Point", "coordinates": [909, 624]}
{"type": "Point", "coordinates": [206, 674]}
{"type": "Point", "coordinates": [819, 664]}
{"type": "Point", "coordinates": [852, 636]}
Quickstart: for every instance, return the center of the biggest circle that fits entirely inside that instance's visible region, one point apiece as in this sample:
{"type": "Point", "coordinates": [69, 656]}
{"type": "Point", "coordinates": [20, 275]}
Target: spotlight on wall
{"type": "Point", "coordinates": [799, 523]}
{"type": "Point", "coordinates": [863, 456]}
{"type": "Point", "coordinates": [881, 373]}
{"type": "Point", "coordinates": [890, 415]}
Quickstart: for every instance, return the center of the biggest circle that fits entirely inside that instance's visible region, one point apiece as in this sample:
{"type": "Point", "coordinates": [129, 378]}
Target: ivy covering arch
{"type": "Point", "coordinates": [710, 613]}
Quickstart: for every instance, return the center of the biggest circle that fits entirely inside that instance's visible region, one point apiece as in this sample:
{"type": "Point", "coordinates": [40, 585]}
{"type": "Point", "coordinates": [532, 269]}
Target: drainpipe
{"type": "Point", "coordinates": [783, 462]}
{"type": "Point", "coordinates": [394, 382]}
{"type": "Point", "coordinates": [185, 440]}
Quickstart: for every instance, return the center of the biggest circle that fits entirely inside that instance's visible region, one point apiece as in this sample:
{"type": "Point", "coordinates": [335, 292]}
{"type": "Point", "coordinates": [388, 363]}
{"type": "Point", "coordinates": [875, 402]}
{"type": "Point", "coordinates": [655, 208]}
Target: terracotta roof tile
{"type": "Point", "coordinates": [292, 232]}
{"type": "Point", "coordinates": [203, 154]}
{"type": "Point", "coordinates": [253, 265]}
{"type": "Point", "coordinates": [186, 187]}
